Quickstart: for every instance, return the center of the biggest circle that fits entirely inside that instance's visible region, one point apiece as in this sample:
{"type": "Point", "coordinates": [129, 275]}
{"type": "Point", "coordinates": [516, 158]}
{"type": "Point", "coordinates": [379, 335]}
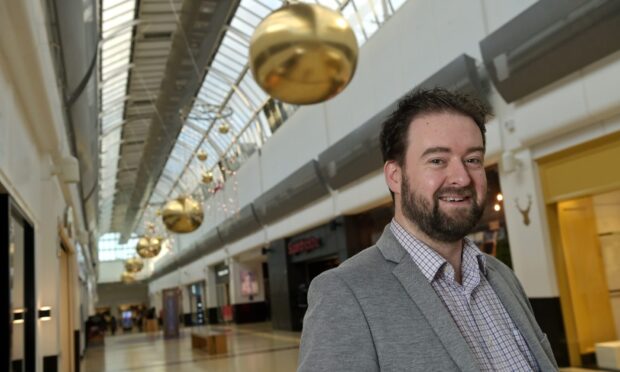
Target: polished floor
{"type": "Point", "coordinates": [254, 347]}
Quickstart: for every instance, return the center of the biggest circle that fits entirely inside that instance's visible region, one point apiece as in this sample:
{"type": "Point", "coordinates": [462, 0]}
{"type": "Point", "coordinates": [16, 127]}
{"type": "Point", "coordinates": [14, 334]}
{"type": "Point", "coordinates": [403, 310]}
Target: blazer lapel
{"type": "Point", "coordinates": [424, 296]}
{"type": "Point", "coordinates": [520, 315]}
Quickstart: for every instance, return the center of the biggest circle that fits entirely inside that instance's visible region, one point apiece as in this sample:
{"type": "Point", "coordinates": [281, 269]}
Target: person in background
{"type": "Point", "coordinates": [113, 324]}
{"type": "Point", "coordinates": [424, 298]}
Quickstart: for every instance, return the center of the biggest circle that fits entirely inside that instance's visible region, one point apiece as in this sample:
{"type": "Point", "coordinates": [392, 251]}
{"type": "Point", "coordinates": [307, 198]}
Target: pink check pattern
{"type": "Point", "coordinates": [495, 341]}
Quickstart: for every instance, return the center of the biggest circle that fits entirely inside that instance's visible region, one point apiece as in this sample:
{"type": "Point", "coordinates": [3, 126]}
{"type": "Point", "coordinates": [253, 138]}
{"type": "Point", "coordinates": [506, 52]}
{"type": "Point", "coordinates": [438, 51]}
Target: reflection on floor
{"type": "Point", "coordinates": [254, 347]}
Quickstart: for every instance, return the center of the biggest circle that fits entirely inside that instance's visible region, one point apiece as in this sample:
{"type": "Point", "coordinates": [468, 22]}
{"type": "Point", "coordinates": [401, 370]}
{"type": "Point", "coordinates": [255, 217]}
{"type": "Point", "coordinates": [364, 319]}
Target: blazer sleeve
{"type": "Point", "coordinates": [335, 335]}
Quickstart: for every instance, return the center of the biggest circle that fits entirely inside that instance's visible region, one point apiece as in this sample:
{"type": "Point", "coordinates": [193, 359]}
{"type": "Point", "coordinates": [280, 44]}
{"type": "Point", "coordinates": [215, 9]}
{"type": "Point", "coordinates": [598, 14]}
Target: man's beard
{"type": "Point", "coordinates": [435, 223]}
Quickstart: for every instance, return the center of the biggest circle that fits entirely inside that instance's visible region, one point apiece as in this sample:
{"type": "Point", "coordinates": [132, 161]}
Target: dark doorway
{"type": "Point", "coordinates": [17, 287]}
{"type": "Point", "coordinates": [313, 269]}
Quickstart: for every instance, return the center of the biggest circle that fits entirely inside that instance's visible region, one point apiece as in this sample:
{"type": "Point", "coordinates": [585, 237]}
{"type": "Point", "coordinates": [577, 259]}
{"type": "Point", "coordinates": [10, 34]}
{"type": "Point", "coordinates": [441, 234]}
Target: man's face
{"type": "Point", "coordinates": [443, 181]}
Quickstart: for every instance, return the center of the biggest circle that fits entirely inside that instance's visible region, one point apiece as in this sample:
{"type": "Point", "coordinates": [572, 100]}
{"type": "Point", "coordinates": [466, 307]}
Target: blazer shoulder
{"type": "Point", "coordinates": [360, 268]}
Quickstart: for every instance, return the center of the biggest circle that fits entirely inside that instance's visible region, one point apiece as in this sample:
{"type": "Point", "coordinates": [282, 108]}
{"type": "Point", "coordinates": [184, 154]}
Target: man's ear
{"type": "Point", "coordinates": [393, 177]}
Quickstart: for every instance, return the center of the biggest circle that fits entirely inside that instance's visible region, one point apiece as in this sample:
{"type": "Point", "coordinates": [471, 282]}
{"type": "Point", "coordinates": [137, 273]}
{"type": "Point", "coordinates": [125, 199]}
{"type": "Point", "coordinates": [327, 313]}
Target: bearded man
{"type": "Point", "coordinates": [425, 298]}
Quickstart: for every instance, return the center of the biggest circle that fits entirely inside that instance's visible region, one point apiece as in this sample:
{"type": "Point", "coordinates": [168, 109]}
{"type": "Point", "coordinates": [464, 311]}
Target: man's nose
{"type": "Point", "coordinates": [458, 174]}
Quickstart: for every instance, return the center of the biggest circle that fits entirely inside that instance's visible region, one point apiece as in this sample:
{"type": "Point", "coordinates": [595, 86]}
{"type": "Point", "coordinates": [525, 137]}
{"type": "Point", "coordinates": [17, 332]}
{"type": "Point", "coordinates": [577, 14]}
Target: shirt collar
{"type": "Point", "coordinates": [429, 261]}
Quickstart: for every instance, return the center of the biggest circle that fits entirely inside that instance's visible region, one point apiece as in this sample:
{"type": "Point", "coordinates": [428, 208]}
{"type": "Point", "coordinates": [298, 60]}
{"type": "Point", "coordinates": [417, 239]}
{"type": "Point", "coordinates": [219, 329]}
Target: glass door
{"type": "Point", "coordinates": [17, 288]}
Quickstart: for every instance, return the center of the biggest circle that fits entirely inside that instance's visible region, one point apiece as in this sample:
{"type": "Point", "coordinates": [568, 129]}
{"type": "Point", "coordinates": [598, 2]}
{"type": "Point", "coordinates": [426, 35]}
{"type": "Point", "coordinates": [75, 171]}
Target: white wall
{"type": "Point", "coordinates": [32, 136]}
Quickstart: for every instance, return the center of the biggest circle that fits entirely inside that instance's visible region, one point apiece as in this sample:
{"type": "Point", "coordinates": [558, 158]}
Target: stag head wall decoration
{"type": "Point", "coordinates": [525, 212]}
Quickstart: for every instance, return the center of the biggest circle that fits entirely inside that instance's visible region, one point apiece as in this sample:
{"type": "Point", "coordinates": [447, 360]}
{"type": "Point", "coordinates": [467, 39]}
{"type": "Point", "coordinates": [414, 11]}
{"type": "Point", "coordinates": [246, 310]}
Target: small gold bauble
{"type": "Point", "coordinates": [134, 265]}
{"type": "Point", "coordinates": [224, 128]}
{"type": "Point", "coordinates": [201, 155]}
{"type": "Point", "coordinates": [148, 247]}
{"type": "Point", "coordinates": [182, 215]}
{"type": "Point", "coordinates": [207, 177]}
{"type": "Point", "coordinates": [303, 53]}
{"type": "Point", "coordinates": [127, 278]}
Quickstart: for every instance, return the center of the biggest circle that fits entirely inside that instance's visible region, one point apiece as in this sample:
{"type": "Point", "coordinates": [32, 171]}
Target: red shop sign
{"type": "Point", "coordinates": [304, 245]}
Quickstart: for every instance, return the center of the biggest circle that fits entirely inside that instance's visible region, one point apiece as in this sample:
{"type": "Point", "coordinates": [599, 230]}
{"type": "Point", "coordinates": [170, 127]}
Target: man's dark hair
{"type": "Point", "coordinates": [422, 102]}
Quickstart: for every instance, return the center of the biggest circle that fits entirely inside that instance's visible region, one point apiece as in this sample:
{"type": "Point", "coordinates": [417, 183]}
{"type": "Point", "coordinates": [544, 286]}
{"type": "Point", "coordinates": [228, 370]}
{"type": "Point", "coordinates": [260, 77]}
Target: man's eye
{"type": "Point", "coordinates": [474, 161]}
{"type": "Point", "coordinates": [436, 161]}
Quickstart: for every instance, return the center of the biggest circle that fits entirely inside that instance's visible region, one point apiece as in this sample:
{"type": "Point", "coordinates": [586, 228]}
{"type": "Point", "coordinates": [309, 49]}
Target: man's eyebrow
{"type": "Point", "coordinates": [439, 150]}
{"type": "Point", "coordinates": [435, 150]}
{"type": "Point", "coordinates": [475, 149]}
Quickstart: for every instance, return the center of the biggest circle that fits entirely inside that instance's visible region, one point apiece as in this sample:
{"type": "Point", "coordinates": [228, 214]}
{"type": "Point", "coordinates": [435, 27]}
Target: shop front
{"type": "Point", "coordinates": [197, 314]}
{"type": "Point", "coordinates": [293, 262]}
{"type": "Point", "coordinates": [222, 311]}
{"type": "Point", "coordinates": [581, 189]}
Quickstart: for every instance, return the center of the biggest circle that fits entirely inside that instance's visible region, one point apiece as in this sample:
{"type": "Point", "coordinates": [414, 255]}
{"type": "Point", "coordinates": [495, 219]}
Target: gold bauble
{"type": "Point", "coordinates": [224, 128]}
{"type": "Point", "coordinates": [182, 215]}
{"type": "Point", "coordinates": [207, 177]}
{"type": "Point", "coordinates": [134, 265]}
{"type": "Point", "coordinates": [148, 247]}
{"type": "Point", "coordinates": [127, 278]}
{"type": "Point", "coordinates": [303, 53]}
{"type": "Point", "coordinates": [201, 155]}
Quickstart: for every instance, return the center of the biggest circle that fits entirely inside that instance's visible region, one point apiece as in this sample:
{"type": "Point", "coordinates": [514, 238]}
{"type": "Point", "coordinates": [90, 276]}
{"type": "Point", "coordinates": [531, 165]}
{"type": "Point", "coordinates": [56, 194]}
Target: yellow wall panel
{"type": "Point", "coordinates": [587, 169]}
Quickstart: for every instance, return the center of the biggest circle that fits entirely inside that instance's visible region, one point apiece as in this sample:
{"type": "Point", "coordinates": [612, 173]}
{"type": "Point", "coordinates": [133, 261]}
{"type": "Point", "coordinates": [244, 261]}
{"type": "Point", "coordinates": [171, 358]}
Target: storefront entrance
{"type": "Point", "coordinates": [17, 288]}
{"type": "Point", "coordinates": [582, 193]}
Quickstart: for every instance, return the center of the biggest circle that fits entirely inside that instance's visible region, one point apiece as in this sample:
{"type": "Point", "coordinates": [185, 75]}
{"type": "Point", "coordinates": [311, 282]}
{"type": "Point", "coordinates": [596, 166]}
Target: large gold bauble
{"type": "Point", "coordinates": [182, 215]}
{"type": "Point", "coordinates": [127, 278]}
{"type": "Point", "coordinates": [148, 247]}
{"type": "Point", "coordinates": [303, 53]}
{"type": "Point", "coordinates": [134, 265]}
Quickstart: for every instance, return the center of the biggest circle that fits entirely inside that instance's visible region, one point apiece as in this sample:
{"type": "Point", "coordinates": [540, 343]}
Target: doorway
{"type": "Point", "coordinates": [69, 359]}
{"type": "Point", "coordinates": [17, 288]}
{"type": "Point", "coordinates": [581, 190]}
{"type": "Point", "coordinates": [589, 272]}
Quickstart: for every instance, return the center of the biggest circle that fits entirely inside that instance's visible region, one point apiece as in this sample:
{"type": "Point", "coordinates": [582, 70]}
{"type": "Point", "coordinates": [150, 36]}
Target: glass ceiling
{"type": "Point", "coordinates": [228, 97]}
{"type": "Point", "coordinates": [117, 21]}
{"type": "Point", "coordinates": [111, 250]}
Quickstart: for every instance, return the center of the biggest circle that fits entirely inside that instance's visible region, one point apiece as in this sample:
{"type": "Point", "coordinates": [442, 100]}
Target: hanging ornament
{"type": "Point", "coordinates": [182, 215]}
{"type": "Point", "coordinates": [224, 128]}
{"type": "Point", "coordinates": [148, 247]}
{"type": "Point", "coordinates": [207, 177]}
{"type": "Point", "coordinates": [201, 155]}
{"type": "Point", "coordinates": [127, 278]}
{"type": "Point", "coordinates": [134, 265]}
{"type": "Point", "coordinates": [303, 53]}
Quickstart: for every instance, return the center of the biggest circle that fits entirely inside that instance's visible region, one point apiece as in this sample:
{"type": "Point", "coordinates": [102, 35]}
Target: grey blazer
{"type": "Point", "coordinates": [377, 312]}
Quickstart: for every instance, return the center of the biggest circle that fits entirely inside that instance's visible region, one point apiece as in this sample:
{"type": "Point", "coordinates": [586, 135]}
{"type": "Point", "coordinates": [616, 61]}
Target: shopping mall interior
{"type": "Point", "coordinates": [172, 178]}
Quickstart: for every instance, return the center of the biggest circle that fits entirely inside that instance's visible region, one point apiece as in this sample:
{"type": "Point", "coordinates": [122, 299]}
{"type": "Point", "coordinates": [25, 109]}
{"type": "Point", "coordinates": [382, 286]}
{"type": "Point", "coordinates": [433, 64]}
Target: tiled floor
{"type": "Point", "coordinates": [254, 347]}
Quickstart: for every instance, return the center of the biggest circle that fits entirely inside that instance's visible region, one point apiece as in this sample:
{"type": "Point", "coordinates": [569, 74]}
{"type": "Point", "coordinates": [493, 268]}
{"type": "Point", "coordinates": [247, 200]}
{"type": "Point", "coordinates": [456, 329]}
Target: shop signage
{"type": "Point", "coordinates": [222, 272]}
{"type": "Point", "coordinates": [304, 245]}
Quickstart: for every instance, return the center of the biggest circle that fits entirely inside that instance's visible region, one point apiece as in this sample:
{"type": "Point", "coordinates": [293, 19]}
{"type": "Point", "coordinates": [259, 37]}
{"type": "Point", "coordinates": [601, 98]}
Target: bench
{"type": "Point", "coordinates": [608, 355]}
{"type": "Point", "coordinates": [211, 341]}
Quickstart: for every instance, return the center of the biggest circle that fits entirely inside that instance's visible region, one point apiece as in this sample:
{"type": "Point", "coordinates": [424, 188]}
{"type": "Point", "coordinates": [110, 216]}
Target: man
{"type": "Point", "coordinates": [424, 298]}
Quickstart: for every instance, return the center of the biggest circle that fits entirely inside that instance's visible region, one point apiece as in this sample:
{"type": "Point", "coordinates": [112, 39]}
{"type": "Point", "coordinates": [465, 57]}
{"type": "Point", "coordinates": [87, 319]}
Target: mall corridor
{"type": "Point", "coordinates": [175, 174]}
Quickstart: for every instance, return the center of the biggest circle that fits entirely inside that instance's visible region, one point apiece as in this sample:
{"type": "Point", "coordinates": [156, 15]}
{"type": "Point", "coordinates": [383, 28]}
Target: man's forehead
{"type": "Point", "coordinates": [444, 126]}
